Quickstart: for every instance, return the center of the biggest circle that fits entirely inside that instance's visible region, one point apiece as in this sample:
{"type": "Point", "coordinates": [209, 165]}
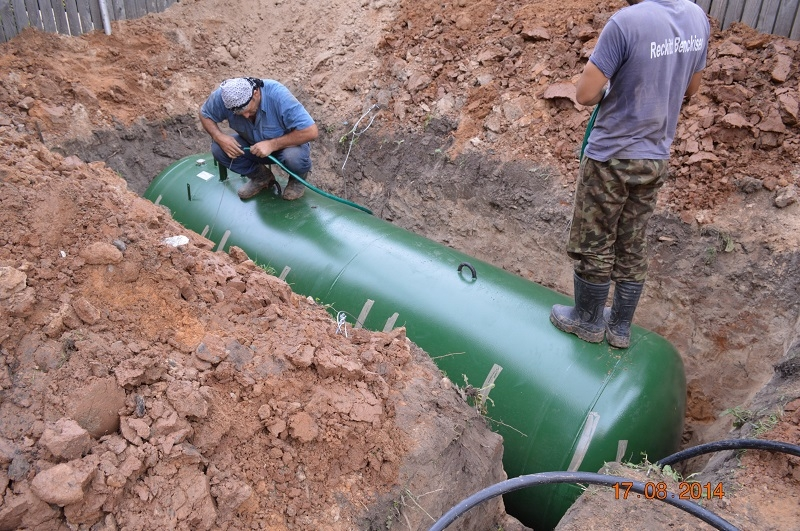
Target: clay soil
{"type": "Point", "coordinates": [145, 385]}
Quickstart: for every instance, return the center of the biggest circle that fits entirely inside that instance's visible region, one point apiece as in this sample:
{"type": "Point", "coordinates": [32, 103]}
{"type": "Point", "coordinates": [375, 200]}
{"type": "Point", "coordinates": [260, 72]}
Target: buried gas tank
{"type": "Point", "coordinates": [559, 403]}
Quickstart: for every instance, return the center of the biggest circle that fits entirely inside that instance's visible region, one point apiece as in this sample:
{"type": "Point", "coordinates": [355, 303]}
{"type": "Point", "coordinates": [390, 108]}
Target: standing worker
{"type": "Point", "coordinates": [647, 60]}
{"type": "Point", "coordinates": [268, 120]}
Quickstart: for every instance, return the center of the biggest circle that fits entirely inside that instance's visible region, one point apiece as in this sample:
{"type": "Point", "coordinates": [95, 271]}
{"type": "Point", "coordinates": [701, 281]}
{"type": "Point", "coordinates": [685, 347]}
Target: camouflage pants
{"type": "Point", "coordinates": [613, 204]}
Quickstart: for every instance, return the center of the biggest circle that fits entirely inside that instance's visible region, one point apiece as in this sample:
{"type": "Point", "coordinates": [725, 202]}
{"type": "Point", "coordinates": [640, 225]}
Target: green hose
{"type": "Point", "coordinates": [589, 128]}
{"type": "Point", "coordinates": [307, 185]}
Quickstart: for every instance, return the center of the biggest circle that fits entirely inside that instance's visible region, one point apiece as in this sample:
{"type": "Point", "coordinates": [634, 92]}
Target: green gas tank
{"type": "Point", "coordinates": [559, 403]}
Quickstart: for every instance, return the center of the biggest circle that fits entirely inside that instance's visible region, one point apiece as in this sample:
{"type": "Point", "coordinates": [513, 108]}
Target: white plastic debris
{"type": "Point", "coordinates": [176, 241]}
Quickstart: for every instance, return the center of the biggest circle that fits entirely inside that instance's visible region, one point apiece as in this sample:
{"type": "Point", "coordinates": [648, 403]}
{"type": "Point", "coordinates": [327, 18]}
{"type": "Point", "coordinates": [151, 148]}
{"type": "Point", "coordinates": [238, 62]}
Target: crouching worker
{"type": "Point", "coordinates": [268, 120]}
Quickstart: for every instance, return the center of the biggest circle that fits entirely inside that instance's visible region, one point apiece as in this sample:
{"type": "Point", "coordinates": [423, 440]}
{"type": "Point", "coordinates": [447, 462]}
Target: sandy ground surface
{"type": "Point", "coordinates": [472, 144]}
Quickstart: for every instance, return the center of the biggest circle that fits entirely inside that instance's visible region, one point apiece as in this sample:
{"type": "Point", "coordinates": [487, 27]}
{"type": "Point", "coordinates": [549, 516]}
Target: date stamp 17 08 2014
{"type": "Point", "coordinates": [687, 490]}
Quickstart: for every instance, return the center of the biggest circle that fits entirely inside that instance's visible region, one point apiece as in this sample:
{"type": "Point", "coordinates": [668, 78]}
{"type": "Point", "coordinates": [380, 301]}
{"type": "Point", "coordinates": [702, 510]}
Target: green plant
{"type": "Point", "coordinates": [764, 425]}
{"type": "Point", "coordinates": [710, 255]}
{"type": "Point", "coordinates": [740, 416]}
{"type": "Point", "coordinates": [399, 504]}
{"type": "Point", "coordinates": [542, 172]}
{"type": "Point", "coordinates": [269, 270]}
{"type": "Point", "coordinates": [326, 306]}
{"type": "Point", "coordinates": [727, 243]}
{"type": "Point", "coordinates": [671, 473]}
{"type": "Point", "coordinates": [476, 397]}
{"type": "Point", "coordinates": [353, 141]}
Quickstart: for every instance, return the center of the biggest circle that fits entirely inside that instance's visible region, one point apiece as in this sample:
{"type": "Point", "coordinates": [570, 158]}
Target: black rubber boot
{"type": "Point", "coordinates": [258, 180]}
{"type": "Point", "coordinates": [620, 316]}
{"type": "Point", "coordinates": [585, 319]}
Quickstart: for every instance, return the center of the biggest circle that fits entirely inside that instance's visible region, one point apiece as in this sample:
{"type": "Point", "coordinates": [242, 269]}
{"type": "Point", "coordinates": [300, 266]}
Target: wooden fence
{"type": "Point", "coordinates": [74, 17]}
{"type": "Point", "coordinates": [779, 17]}
{"type": "Point", "coordinates": [70, 17]}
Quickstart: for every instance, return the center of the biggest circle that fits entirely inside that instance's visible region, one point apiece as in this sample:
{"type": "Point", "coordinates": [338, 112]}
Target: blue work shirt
{"type": "Point", "coordinates": [279, 114]}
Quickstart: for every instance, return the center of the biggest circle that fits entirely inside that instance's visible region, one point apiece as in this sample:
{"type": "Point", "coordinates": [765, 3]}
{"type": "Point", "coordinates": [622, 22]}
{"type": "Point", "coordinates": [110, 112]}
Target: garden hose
{"type": "Point", "coordinates": [312, 187]}
{"type": "Point", "coordinates": [589, 128]}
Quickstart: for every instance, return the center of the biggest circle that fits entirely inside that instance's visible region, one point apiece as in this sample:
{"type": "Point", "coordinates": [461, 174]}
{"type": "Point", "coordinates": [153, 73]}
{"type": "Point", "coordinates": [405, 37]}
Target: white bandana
{"type": "Point", "coordinates": [236, 92]}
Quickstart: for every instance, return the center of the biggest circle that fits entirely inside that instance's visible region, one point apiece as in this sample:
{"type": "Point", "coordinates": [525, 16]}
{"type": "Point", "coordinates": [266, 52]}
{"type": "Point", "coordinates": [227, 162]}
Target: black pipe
{"type": "Point", "coordinates": [734, 444]}
{"type": "Point", "coordinates": [546, 478]}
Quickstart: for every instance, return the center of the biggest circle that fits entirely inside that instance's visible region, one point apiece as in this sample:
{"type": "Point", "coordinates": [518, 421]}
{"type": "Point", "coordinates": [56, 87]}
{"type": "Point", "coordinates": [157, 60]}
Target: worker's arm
{"type": "Point", "coordinates": [590, 87]}
{"type": "Point", "coordinates": [694, 84]}
{"type": "Point", "coordinates": [295, 138]}
{"type": "Point", "coordinates": [228, 144]}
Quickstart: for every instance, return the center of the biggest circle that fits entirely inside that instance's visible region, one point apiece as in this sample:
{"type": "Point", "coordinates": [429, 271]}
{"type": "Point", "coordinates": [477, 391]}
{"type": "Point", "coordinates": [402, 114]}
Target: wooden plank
{"type": "Point", "coordinates": [60, 14]}
{"type": "Point", "coordinates": [48, 18]}
{"type": "Point", "coordinates": [766, 19]}
{"type": "Point", "coordinates": [795, 33]}
{"type": "Point", "coordinates": [787, 12]}
{"type": "Point", "coordinates": [20, 14]}
{"type": "Point", "coordinates": [733, 13]}
{"type": "Point", "coordinates": [134, 8]}
{"type": "Point", "coordinates": [750, 14]}
{"type": "Point", "coordinates": [116, 9]}
{"type": "Point", "coordinates": [130, 9]}
{"type": "Point", "coordinates": [151, 6]}
{"type": "Point", "coordinates": [73, 18]}
{"type": "Point", "coordinates": [85, 16]}
{"type": "Point", "coordinates": [141, 8]}
{"type": "Point", "coordinates": [718, 8]}
{"type": "Point", "coordinates": [8, 25]}
{"type": "Point", "coordinates": [704, 4]}
{"type": "Point", "coordinates": [97, 16]}
{"type": "Point", "coordinates": [32, 7]}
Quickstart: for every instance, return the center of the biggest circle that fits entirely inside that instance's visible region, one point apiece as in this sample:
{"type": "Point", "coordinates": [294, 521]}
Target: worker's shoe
{"type": "Point", "coordinates": [260, 179]}
{"type": "Point", "coordinates": [585, 319]}
{"type": "Point", "coordinates": [294, 189]}
{"type": "Point", "coordinates": [620, 316]}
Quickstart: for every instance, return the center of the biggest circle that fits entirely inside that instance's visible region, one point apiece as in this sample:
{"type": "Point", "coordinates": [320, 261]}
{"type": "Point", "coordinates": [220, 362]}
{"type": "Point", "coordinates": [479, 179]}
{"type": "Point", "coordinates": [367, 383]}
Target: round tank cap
{"type": "Point", "coordinates": [200, 162]}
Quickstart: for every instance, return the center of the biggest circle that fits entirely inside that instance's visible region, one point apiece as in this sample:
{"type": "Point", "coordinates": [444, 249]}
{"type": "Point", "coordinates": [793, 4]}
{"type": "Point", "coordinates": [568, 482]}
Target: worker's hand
{"type": "Point", "coordinates": [230, 146]}
{"type": "Point", "coordinates": [262, 149]}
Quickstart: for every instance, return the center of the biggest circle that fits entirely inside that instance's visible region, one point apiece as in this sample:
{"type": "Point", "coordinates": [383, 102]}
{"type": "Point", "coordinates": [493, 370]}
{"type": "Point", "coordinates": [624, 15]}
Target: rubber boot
{"type": "Point", "coordinates": [620, 316]}
{"type": "Point", "coordinates": [585, 319]}
{"type": "Point", "coordinates": [260, 179]}
{"type": "Point", "coordinates": [294, 189]}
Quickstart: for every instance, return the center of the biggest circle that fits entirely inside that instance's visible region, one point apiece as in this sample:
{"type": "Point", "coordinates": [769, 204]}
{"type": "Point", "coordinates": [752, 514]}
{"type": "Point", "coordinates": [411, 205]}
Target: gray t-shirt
{"type": "Point", "coordinates": [649, 52]}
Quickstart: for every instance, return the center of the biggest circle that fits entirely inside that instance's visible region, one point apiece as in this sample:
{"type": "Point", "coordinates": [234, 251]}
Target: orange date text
{"type": "Point", "coordinates": [687, 490]}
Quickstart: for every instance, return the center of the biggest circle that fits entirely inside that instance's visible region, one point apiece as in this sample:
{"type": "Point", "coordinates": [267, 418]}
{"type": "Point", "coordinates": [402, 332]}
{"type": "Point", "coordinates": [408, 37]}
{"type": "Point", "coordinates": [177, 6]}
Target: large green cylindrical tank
{"type": "Point", "coordinates": [559, 403]}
